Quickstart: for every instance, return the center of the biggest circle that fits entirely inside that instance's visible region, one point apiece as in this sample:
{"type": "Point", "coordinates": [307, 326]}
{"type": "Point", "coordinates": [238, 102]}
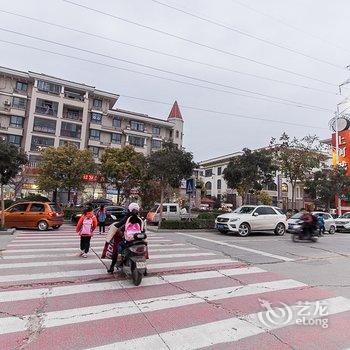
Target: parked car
{"type": "Point", "coordinates": [96, 203]}
{"type": "Point", "coordinates": [342, 222]}
{"type": "Point", "coordinates": [34, 215]}
{"type": "Point", "coordinates": [250, 218]}
{"type": "Point", "coordinates": [114, 213]}
{"type": "Point", "coordinates": [171, 212]}
{"type": "Point", "coordinates": [329, 222]}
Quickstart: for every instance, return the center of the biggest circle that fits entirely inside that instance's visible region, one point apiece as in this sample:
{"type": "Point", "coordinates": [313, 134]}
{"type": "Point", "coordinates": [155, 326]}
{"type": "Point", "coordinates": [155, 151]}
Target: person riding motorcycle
{"type": "Point", "coordinates": [133, 211]}
{"type": "Point", "coordinates": [308, 225]}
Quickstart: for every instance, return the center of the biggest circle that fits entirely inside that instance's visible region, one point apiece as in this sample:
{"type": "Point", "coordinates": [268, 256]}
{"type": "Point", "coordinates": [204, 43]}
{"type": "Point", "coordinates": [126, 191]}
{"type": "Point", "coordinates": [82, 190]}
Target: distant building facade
{"type": "Point", "coordinates": [37, 111]}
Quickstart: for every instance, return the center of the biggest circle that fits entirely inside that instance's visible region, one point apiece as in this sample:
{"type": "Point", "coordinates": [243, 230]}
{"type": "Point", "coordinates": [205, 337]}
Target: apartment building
{"type": "Point", "coordinates": [211, 173]}
{"type": "Point", "coordinates": [37, 111]}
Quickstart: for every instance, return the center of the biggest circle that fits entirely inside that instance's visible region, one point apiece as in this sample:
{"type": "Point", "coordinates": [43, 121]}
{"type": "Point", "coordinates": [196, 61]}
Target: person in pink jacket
{"type": "Point", "coordinates": [85, 228]}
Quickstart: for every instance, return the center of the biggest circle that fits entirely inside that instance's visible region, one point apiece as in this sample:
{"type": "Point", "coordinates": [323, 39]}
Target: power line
{"type": "Point", "coordinates": [168, 54]}
{"type": "Point", "coordinates": [281, 21]}
{"type": "Point", "coordinates": [242, 116]}
{"type": "Point", "coordinates": [313, 108]}
{"type": "Point", "coordinates": [249, 35]}
{"type": "Point", "coordinates": [198, 43]}
{"type": "Point", "coordinates": [157, 69]}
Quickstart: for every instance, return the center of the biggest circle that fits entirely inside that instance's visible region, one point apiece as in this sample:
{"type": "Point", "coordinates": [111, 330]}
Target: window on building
{"type": "Point", "coordinates": [272, 186]}
{"type": "Point", "coordinates": [97, 103]}
{"type": "Point", "coordinates": [96, 118]}
{"type": "Point", "coordinates": [219, 170]}
{"type": "Point", "coordinates": [34, 160]}
{"type": "Point", "coordinates": [117, 123]}
{"type": "Point", "coordinates": [16, 122]}
{"type": "Point", "coordinates": [171, 134]}
{"type": "Point", "coordinates": [156, 144]}
{"type": "Point", "coordinates": [49, 87]}
{"type": "Point", "coordinates": [177, 134]}
{"type": "Point", "coordinates": [95, 134]}
{"type": "Point", "coordinates": [44, 125]}
{"type": "Point", "coordinates": [14, 140]}
{"type": "Point", "coordinates": [46, 107]}
{"type": "Point", "coordinates": [18, 102]}
{"type": "Point", "coordinates": [21, 86]}
{"type": "Point", "coordinates": [208, 172]}
{"type": "Point", "coordinates": [39, 142]}
{"type": "Point", "coordinates": [116, 138]}
{"type": "Point", "coordinates": [136, 141]}
{"type": "Point", "coordinates": [74, 114]}
{"type": "Point", "coordinates": [284, 187]}
{"type": "Point", "coordinates": [67, 142]}
{"type": "Point", "coordinates": [208, 185]}
{"type": "Point", "coordinates": [138, 126]}
{"type": "Point", "coordinates": [95, 151]}
{"type": "Point", "coordinates": [218, 184]}
{"type": "Point", "coordinates": [156, 130]}
{"type": "Point", "coordinates": [71, 130]}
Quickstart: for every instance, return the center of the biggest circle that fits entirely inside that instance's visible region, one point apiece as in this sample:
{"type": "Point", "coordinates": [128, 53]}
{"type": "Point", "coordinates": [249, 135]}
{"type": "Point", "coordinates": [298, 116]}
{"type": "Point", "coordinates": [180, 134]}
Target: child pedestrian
{"type": "Point", "coordinates": [85, 228]}
{"type": "Point", "coordinates": [101, 218]}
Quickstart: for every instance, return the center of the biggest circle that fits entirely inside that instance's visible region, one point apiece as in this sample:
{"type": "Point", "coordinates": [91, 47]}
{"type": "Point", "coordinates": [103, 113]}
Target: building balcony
{"type": "Point", "coordinates": [47, 111]}
{"type": "Point", "coordinates": [74, 96]}
{"type": "Point", "coordinates": [13, 130]}
{"type": "Point", "coordinates": [105, 143]}
{"type": "Point", "coordinates": [77, 117]}
{"type": "Point", "coordinates": [94, 143]}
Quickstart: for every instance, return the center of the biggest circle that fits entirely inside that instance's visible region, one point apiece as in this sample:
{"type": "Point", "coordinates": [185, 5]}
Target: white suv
{"type": "Point", "coordinates": [250, 218]}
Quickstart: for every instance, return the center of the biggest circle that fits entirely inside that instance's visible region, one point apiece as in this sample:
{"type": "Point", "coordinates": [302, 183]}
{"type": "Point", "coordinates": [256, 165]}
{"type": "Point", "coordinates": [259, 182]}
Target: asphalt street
{"type": "Point", "coordinates": [325, 263]}
{"type": "Point", "coordinates": [204, 290]}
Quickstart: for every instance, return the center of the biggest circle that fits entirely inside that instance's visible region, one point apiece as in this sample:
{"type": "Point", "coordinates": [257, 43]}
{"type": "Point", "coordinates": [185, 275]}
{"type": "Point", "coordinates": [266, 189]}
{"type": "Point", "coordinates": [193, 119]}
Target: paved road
{"type": "Point", "coordinates": [204, 291]}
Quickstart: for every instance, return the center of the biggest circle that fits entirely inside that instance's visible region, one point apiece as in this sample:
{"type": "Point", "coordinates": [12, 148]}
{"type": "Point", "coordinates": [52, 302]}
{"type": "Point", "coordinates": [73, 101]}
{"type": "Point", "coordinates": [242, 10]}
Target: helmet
{"type": "Point", "coordinates": [133, 206]}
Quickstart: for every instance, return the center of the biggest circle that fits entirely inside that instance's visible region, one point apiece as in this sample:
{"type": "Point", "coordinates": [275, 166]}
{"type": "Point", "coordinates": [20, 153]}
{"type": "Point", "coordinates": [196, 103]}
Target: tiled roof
{"type": "Point", "coordinates": [175, 112]}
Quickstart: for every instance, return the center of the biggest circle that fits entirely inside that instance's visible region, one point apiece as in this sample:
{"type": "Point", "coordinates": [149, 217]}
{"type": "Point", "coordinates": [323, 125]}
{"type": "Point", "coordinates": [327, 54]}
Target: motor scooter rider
{"type": "Point", "coordinates": [308, 223]}
{"type": "Point", "coordinates": [133, 210]}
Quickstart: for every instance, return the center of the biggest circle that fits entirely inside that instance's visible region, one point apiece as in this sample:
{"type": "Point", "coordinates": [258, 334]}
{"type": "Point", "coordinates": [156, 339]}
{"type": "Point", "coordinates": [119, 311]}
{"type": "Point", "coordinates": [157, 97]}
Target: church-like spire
{"type": "Point", "coordinates": [175, 112]}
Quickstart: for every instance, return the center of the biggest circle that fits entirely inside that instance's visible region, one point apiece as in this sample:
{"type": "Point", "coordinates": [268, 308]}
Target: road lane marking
{"type": "Point", "coordinates": [255, 251]}
{"type": "Point", "coordinates": [132, 307]}
{"type": "Point", "coordinates": [94, 260]}
{"type": "Point", "coordinates": [16, 295]}
{"type": "Point", "coordinates": [219, 332]}
{"type": "Point", "coordinates": [6, 256]}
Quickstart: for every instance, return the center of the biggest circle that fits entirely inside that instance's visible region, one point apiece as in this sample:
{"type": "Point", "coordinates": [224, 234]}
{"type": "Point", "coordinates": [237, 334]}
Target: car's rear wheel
{"type": "Point", "coordinates": [280, 229]}
{"type": "Point", "coordinates": [332, 230]}
{"type": "Point", "coordinates": [244, 230]}
{"type": "Point", "coordinates": [43, 225]}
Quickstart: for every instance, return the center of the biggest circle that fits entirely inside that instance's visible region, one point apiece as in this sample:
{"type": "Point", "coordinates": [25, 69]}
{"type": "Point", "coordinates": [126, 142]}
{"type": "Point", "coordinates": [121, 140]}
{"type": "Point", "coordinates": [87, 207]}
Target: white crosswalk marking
{"type": "Point", "coordinates": [213, 299]}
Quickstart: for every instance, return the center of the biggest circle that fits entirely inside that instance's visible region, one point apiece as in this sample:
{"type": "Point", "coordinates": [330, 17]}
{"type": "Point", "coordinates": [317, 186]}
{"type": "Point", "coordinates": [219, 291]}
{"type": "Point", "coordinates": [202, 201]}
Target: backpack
{"type": "Point", "coordinates": [102, 216]}
{"type": "Point", "coordinates": [86, 228]}
{"type": "Point", "coordinates": [130, 230]}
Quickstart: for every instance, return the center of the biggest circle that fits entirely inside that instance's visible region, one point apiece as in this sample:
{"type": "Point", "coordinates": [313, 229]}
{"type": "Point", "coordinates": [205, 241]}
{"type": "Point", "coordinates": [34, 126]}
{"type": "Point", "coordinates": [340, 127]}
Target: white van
{"type": "Point", "coordinates": [171, 212]}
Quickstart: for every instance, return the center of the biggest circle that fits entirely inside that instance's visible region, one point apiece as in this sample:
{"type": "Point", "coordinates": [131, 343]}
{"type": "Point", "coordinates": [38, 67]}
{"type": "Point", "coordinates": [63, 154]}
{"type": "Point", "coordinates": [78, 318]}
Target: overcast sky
{"type": "Point", "coordinates": [323, 34]}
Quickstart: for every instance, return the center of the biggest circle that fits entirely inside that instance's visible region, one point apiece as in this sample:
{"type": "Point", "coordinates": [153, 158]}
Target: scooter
{"type": "Point", "coordinates": [133, 258]}
{"type": "Point", "coordinates": [299, 236]}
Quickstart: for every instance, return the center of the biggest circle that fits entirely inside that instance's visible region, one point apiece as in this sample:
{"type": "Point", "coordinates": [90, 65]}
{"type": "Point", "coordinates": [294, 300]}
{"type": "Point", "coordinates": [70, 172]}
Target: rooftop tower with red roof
{"type": "Point", "coordinates": [175, 117]}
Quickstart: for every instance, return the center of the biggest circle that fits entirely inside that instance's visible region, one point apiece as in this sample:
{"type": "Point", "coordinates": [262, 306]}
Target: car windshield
{"type": "Point", "coordinates": [297, 216]}
{"type": "Point", "coordinates": [154, 209]}
{"type": "Point", "coordinates": [244, 210]}
{"type": "Point", "coordinates": [345, 216]}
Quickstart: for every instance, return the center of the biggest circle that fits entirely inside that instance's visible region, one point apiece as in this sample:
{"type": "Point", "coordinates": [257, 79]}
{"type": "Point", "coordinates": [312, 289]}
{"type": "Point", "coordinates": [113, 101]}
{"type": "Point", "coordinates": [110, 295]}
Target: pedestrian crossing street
{"type": "Point", "coordinates": [193, 298]}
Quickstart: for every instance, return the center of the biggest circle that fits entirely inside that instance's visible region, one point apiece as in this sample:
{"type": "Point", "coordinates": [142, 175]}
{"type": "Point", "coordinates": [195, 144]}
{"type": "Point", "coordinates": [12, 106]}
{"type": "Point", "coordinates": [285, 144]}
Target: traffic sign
{"type": "Point", "coordinates": [190, 186]}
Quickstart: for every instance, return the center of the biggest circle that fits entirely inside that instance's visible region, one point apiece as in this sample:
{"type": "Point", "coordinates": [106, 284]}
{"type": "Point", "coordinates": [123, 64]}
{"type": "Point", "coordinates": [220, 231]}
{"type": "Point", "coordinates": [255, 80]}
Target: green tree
{"type": "Point", "coordinates": [11, 161]}
{"type": "Point", "coordinates": [249, 171]}
{"type": "Point", "coordinates": [264, 198]}
{"type": "Point", "coordinates": [123, 168]}
{"type": "Point", "coordinates": [63, 168]}
{"type": "Point", "coordinates": [327, 183]}
{"type": "Point", "coordinates": [168, 167]}
{"type": "Point", "coordinates": [297, 158]}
